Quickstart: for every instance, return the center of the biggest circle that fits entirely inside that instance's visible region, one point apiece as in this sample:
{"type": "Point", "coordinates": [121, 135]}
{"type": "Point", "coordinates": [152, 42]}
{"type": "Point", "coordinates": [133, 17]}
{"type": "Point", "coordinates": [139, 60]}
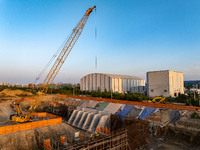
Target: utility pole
{"type": "Point", "coordinates": [111, 93]}
{"type": "Point", "coordinates": [73, 89]}
{"type": "Point", "coordinates": [194, 92]}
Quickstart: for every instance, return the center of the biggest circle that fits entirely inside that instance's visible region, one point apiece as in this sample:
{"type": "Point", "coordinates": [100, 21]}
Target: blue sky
{"type": "Point", "coordinates": [133, 37]}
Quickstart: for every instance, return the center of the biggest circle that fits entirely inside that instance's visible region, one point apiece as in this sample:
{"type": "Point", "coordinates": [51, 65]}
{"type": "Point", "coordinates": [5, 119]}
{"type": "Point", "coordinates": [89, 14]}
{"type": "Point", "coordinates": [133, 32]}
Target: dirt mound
{"type": "Point", "coordinates": [5, 111]}
{"type": "Point", "coordinates": [13, 93]}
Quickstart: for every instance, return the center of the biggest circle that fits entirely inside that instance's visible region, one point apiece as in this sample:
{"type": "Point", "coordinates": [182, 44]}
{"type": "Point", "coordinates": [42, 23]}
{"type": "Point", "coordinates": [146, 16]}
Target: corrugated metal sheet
{"type": "Point", "coordinates": [112, 108]}
{"type": "Point", "coordinates": [115, 76]}
{"type": "Point", "coordinates": [95, 81]}
{"type": "Point", "coordinates": [102, 106]}
{"type": "Point", "coordinates": [123, 76]}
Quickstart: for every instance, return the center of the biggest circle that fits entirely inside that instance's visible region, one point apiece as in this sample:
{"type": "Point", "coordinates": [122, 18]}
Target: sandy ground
{"type": "Point", "coordinates": [5, 111]}
{"type": "Point", "coordinates": [164, 144]}
{"type": "Point", "coordinates": [14, 93]}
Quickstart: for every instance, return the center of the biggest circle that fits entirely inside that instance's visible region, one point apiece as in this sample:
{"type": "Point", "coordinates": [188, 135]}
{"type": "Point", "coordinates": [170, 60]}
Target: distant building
{"type": "Point", "coordinates": [192, 90]}
{"type": "Point", "coordinates": [192, 84]}
{"type": "Point", "coordinates": [165, 83]}
{"type": "Point", "coordinates": [110, 82]}
{"type": "Point", "coordinates": [18, 85]}
{"type": "Point", "coordinates": [31, 85]}
{"type": "Point", "coordinates": [4, 84]}
{"type": "Point", "coordinates": [25, 85]}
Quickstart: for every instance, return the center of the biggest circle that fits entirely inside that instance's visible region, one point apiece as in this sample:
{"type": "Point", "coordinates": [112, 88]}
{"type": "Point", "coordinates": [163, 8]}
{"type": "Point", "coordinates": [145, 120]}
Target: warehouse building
{"type": "Point", "coordinates": [165, 83]}
{"type": "Point", "coordinates": [116, 83]}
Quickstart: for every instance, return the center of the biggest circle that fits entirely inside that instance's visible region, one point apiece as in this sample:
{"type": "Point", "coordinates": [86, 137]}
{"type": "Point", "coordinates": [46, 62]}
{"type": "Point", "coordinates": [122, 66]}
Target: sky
{"type": "Point", "coordinates": [132, 38]}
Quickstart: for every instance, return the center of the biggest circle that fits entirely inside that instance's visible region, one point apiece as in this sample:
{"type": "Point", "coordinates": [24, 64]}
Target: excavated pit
{"type": "Point", "coordinates": [138, 130]}
{"type": "Point", "coordinates": [141, 133]}
{"type": "Point", "coordinates": [33, 139]}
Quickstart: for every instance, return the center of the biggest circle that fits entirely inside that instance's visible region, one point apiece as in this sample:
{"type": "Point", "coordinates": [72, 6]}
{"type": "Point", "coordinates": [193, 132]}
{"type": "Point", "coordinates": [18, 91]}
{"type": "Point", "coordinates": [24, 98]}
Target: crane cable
{"type": "Point", "coordinates": [58, 51]}
{"type": "Point", "coordinates": [95, 24]}
{"type": "Point", "coordinates": [95, 34]}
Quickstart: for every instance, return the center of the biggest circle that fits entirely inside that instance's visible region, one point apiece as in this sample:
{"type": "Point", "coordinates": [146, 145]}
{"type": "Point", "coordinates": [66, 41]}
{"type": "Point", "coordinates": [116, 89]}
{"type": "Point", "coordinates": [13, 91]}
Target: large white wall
{"type": "Point", "coordinates": [164, 83]}
{"type": "Point", "coordinates": [116, 83]}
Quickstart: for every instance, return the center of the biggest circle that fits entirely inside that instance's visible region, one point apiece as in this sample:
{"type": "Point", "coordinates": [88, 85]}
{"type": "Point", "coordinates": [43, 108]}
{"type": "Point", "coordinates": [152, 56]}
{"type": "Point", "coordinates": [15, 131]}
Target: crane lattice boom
{"type": "Point", "coordinates": [76, 32]}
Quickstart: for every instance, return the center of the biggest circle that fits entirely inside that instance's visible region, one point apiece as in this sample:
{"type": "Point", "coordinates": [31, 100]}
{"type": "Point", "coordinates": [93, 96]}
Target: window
{"type": "Point", "coordinates": [165, 90]}
{"type": "Point", "coordinates": [174, 94]}
{"type": "Point", "coordinates": [151, 90]}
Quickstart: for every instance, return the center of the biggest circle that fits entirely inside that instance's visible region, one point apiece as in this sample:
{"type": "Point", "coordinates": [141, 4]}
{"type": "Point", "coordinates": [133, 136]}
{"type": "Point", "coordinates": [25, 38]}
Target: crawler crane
{"type": "Point", "coordinates": [22, 116]}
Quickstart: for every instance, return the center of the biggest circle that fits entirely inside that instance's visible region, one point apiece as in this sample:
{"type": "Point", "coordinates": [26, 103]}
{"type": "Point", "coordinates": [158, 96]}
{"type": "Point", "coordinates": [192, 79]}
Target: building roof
{"type": "Point", "coordinates": [118, 76]}
{"type": "Point", "coordinates": [164, 71]}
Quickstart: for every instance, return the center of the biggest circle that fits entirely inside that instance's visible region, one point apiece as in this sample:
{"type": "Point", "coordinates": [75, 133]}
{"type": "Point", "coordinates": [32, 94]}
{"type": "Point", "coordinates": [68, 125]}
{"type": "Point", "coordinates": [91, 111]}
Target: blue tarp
{"type": "Point", "coordinates": [124, 111]}
{"type": "Point", "coordinates": [147, 112]}
{"type": "Point", "coordinates": [174, 116]}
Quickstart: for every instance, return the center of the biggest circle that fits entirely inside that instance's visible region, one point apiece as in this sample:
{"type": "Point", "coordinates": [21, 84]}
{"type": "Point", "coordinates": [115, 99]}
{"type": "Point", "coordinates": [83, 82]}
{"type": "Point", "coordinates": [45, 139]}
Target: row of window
{"type": "Point", "coordinates": [153, 90]}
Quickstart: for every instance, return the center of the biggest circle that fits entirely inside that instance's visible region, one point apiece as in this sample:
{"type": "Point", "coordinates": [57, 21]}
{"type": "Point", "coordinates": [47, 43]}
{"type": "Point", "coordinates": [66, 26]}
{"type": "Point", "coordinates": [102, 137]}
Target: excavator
{"type": "Point", "coordinates": [157, 98]}
{"type": "Point", "coordinates": [22, 116]}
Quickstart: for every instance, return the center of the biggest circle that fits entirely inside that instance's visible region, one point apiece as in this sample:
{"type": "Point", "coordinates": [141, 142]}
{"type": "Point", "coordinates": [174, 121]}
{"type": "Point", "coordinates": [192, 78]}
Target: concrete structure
{"type": "Point", "coordinates": [165, 83]}
{"type": "Point", "coordinates": [116, 83]}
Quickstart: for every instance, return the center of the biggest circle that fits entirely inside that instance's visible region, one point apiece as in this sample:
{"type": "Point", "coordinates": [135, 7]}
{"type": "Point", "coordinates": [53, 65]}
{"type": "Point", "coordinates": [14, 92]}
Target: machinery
{"type": "Point", "coordinates": [157, 98]}
{"type": "Point", "coordinates": [22, 116]}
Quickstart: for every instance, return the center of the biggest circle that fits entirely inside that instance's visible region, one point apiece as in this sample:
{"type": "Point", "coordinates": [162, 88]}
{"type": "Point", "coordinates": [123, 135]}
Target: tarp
{"type": "Point", "coordinates": [174, 115]}
{"type": "Point", "coordinates": [103, 121]}
{"type": "Point", "coordinates": [89, 104]}
{"type": "Point", "coordinates": [82, 120]}
{"type": "Point", "coordinates": [90, 110]}
{"type": "Point", "coordinates": [94, 123]}
{"type": "Point", "coordinates": [112, 108]}
{"type": "Point", "coordinates": [88, 121]}
{"type": "Point", "coordinates": [71, 119]}
{"type": "Point", "coordinates": [102, 106]}
{"type": "Point", "coordinates": [124, 111]}
{"type": "Point", "coordinates": [147, 111]}
{"type": "Point", "coordinates": [134, 113]}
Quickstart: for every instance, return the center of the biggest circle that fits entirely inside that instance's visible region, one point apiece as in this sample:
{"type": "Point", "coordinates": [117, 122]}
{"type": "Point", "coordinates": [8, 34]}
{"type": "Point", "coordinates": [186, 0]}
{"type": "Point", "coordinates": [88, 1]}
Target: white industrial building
{"type": "Point", "coordinates": [110, 82]}
{"type": "Point", "coordinates": [165, 83]}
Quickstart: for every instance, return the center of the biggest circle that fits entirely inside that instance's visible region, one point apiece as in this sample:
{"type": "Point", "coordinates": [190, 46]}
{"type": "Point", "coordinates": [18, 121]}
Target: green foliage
{"type": "Point", "coordinates": [120, 96]}
{"type": "Point", "coordinates": [187, 99]}
{"type": "Point", "coordinates": [195, 116]}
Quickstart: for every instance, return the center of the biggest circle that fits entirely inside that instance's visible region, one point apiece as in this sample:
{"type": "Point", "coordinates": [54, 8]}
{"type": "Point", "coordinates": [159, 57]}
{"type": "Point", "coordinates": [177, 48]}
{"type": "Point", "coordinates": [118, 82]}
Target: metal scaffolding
{"type": "Point", "coordinates": [115, 141]}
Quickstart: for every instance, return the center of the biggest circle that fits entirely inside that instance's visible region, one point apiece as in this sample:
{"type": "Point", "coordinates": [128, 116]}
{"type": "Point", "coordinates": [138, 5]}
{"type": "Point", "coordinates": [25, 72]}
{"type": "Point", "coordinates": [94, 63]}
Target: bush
{"type": "Point", "coordinates": [195, 116]}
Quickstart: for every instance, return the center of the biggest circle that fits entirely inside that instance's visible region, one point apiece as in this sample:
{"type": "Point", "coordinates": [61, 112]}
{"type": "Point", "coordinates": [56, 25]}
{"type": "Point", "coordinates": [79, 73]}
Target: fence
{"type": "Point", "coordinates": [31, 125]}
{"type": "Point", "coordinates": [156, 105]}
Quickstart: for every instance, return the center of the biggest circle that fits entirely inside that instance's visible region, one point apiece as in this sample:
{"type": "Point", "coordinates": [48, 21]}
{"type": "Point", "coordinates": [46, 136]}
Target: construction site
{"type": "Point", "coordinates": [68, 122]}
{"type": "Point", "coordinates": [74, 122]}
